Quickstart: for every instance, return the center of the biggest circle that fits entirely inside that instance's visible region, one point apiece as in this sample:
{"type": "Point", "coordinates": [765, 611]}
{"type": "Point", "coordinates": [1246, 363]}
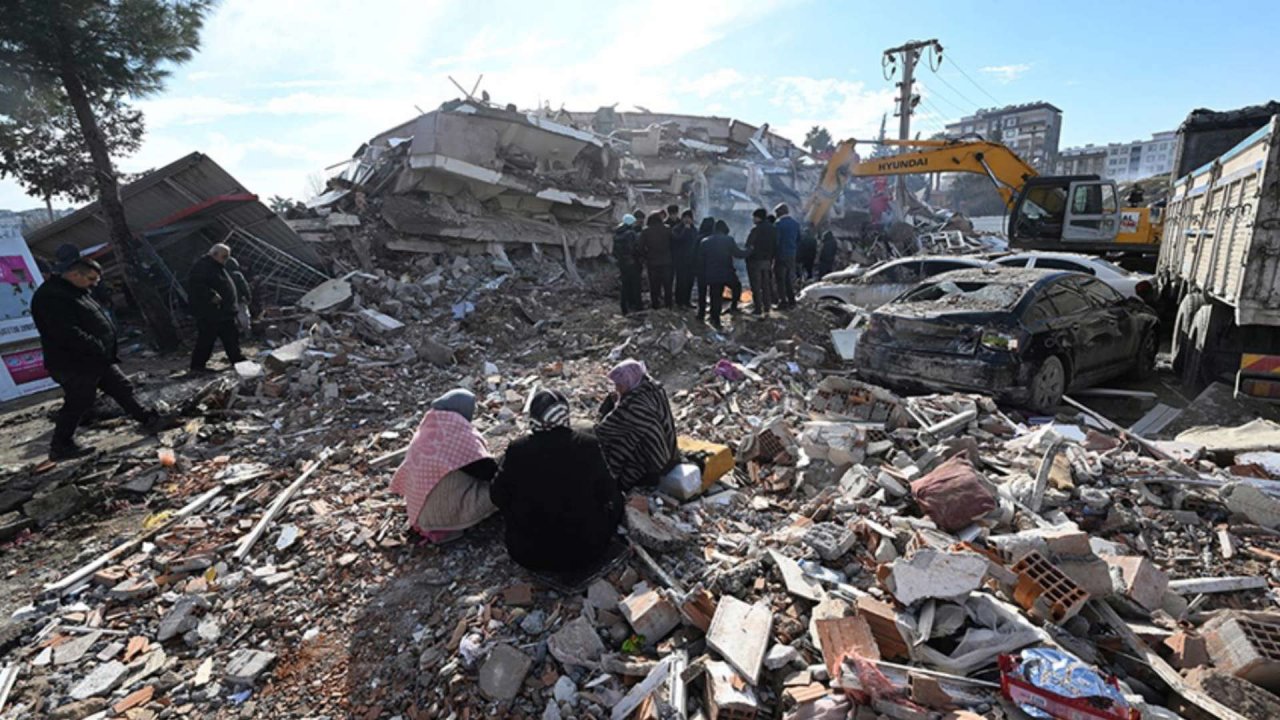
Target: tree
{"type": "Point", "coordinates": [818, 140]}
{"type": "Point", "coordinates": [279, 203]}
{"type": "Point", "coordinates": [77, 55]}
{"type": "Point", "coordinates": [42, 148]}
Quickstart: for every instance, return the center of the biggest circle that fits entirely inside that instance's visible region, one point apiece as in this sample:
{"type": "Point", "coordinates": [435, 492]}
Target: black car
{"type": "Point", "coordinates": [1022, 335]}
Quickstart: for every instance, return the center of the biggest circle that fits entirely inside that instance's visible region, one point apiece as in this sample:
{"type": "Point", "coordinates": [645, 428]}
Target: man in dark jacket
{"type": "Point", "coordinates": [827, 256]}
{"type": "Point", "coordinates": [212, 293]}
{"type": "Point", "coordinates": [655, 243]}
{"type": "Point", "coordinates": [762, 248]}
{"type": "Point", "coordinates": [807, 254]}
{"type": "Point", "coordinates": [784, 266]}
{"type": "Point", "coordinates": [672, 217]}
{"type": "Point", "coordinates": [626, 250]}
{"type": "Point", "coordinates": [79, 344]}
{"type": "Point", "coordinates": [684, 252]}
{"type": "Point", "coordinates": [560, 504]}
{"type": "Point", "coordinates": [715, 268]}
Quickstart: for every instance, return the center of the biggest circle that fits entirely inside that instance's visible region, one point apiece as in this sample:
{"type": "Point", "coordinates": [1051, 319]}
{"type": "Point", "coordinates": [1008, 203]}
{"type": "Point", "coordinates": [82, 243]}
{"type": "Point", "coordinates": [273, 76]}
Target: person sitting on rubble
{"type": "Point", "coordinates": [445, 475]}
{"type": "Point", "coordinates": [827, 256]}
{"type": "Point", "coordinates": [636, 427]}
{"type": "Point", "coordinates": [558, 499]}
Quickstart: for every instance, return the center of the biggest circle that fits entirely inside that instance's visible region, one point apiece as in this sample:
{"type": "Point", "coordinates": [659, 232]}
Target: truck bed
{"type": "Point", "coordinates": [1222, 229]}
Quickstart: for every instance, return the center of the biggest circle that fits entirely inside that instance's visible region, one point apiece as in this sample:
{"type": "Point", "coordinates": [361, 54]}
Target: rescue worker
{"type": "Point", "coordinates": [807, 254]}
{"type": "Point", "coordinates": [213, 301]}
{"type": "Point", "coordinates": [655, 244]}
{"type": "Point", "coordinates": [684, 257]}
{"type": "Point", "coordinates": [784, 265]}
{"type": "Point", "coordinates": [626, 250]}
{"type": "Point", "coordinates": [79, 343]}
{"type": "Point", "coordinates": [827, 256]}
{"type": "Point", "coordinates": [762, 248]}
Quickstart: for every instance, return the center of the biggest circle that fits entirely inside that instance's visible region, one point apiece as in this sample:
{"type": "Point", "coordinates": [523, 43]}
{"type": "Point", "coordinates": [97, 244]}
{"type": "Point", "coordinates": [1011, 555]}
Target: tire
{"type": "Point", "coordinates": [1047, 386]}
{"type": "Point", "coordinates": [1144, 367]}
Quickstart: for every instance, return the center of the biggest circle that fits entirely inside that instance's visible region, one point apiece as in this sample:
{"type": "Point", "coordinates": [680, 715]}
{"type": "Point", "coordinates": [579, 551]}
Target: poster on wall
{"type": "Point", "coordinates": [24, 371]}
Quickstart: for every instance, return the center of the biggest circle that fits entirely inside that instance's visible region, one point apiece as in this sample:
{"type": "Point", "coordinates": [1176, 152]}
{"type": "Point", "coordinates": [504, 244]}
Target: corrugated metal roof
{"type": "Point", "coordinates": [160, 194]}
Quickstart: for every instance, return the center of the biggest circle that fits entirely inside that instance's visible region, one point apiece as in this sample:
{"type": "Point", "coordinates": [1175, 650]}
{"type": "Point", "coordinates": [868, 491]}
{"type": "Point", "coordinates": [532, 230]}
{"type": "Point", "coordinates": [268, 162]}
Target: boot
{"type": "Point", "coordinates": [68, 449]}
{"type": "Point", "coordinates": [156, 423]}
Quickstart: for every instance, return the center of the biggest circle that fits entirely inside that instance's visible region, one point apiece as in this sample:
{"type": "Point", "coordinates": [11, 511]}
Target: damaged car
{"type": "Point", "coordinates": [1022, 335]}
{"type": "Point", "coordinates": [1125, 282]}
{"type": "Point", "coordinates": [872, 286]}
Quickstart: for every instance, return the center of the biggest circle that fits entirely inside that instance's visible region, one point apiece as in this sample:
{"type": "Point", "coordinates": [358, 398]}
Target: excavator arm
{"type": "Point", "coordinates": [1002, 166]}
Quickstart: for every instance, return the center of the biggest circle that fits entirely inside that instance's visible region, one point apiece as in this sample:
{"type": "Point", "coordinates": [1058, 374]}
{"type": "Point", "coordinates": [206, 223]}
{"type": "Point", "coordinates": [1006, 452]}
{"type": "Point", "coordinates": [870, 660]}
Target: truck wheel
{"type": "Point", "coordinates": [1047, 386]}
{"type": "Point", "coordinates": [1145, 365]}
{"type": "Point", "coordinates": [1181, 327]}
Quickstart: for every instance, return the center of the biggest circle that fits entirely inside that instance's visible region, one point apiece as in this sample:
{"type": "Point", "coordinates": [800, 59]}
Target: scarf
{"type": "Point", "coordinates": [549, 410]}
{"type": "Point", "coordinates": [445, 441]}
{"type": "Point", "coordinates": [639, 435]}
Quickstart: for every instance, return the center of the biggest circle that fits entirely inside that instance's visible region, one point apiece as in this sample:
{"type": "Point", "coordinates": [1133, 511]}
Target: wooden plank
{"type": "Point", "coordinates": [741, 633]}
{"type": "Point", "coordinates": [8, 676]}
{"type": "Point", "coordinates": [641, 690]}
{"type": "Point", "coordinates": [251, 537]}
{"type": "Point", "coordinates": [127, 547]}
{"type": "Point", "coordinates": [1162, 668]}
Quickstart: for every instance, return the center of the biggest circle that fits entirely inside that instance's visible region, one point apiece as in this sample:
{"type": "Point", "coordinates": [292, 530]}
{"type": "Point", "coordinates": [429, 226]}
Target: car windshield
{"type": "Point", "coordinates": [1110, 266]}
{"type": "Point", "coordinates": [966, 295]}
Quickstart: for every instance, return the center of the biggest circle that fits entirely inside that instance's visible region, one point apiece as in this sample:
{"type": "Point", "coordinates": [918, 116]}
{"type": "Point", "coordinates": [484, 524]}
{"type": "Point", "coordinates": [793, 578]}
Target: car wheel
{"type": "Point", "coordinates": [1145, 365]}
{"type": "Point", "coordinates": [1048, 385]}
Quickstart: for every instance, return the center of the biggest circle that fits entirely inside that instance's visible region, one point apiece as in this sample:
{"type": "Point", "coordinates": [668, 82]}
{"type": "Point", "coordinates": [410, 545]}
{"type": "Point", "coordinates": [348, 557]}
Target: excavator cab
{"type": "Point", "coordinates": [1073, 213]}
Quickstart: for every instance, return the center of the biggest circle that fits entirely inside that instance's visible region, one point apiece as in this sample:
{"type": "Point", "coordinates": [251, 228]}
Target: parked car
{"type": "Point", "coordinates": [1125, 282]}
{"type": "Point", "coordinates": [1025, 336]}
{"type": "Point", "coordinates": [875, 285]}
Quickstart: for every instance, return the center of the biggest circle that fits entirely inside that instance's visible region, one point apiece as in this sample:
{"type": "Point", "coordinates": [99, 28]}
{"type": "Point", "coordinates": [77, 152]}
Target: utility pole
{"type": "Point", "coordinates": [908, 55]}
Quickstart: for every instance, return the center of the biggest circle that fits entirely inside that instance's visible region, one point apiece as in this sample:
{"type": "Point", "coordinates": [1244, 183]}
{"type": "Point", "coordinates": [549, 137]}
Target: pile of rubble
{"type": "Point", "coordinates": [839, 550]}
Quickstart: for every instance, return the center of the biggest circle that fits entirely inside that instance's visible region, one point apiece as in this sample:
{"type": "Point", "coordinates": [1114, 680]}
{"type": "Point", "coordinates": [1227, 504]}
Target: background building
{"type": "Point", "coordinates": [1031, 130]}
{"type": "Point", "coordinates": [1088, 160]}
{"type": "Point", "coordinates": [1141, 158]}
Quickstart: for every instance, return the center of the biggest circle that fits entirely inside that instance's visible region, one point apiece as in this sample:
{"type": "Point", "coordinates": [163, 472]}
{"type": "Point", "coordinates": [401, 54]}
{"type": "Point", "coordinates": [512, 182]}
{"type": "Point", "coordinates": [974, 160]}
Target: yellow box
{"type": "Point", "coordinates": [715, 461]}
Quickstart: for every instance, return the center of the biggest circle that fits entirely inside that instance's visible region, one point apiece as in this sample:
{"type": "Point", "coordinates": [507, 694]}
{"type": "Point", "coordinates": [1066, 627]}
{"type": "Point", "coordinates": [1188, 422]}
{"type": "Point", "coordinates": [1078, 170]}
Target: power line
{"type": "Point", "coordinates": [971, 80]}
{"type": "Point", "coordinates": [957, 92]}
{"type": "Point", "coordinates": [943, 98]}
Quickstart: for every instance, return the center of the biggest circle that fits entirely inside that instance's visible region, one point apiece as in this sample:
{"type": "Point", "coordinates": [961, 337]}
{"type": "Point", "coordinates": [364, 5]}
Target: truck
{"type": "Point", "coordinates": [1061, 213]}
{"type": "Point", "coordinates": [1219, 261]}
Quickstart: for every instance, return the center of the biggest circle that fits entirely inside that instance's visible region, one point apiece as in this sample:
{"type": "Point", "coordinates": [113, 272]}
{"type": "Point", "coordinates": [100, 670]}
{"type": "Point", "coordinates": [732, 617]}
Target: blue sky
{"type": "Point", "coordinates": [283, 88]}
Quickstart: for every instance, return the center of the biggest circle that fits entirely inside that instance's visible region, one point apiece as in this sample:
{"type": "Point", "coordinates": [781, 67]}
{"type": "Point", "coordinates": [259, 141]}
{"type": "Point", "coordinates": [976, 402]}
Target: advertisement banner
{"type": "Point", "coordinates": [24, 371]}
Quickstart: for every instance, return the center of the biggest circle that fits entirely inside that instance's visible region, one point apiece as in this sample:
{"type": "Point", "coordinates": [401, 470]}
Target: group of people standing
{"type": "Point", "coordinates": [559, 488]}
{"type": "Point", "coordinates": [679, 258]}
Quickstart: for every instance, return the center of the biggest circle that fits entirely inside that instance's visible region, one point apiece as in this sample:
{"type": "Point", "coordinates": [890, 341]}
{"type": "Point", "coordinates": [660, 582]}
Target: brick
{"type": "Point", "coordinates": [830, 540]}
{"type": "Point", "coordinates": [1091, 573]}
{"type": "Point", "coordinates": [843, 637]}
{"type": "Point", "coordinates": [1247, 647]}
{"type": "Point", "coordinates": [1063, 542]}
{"type": "Point", "coordinates": [1187, 650]}
{"type": "Point", "coordinates": [728, 697]}
{"type": "Point", "coordinates": [1043, 589]}
{"type": "Point", "coordinates": [1241, 696]}
{"type": "Point", "coordinates": [1144, 583]}
{"type": "Point", "coordinates": [883, 621]}
{"type": "Point", "coordinates": [698, 609]}
{"type": "Point", "coordinates": [503, 673]}
{"type": "Point", "coordinates": [520, 595]}
{"type": "Point", "coordinates": [650, 614]}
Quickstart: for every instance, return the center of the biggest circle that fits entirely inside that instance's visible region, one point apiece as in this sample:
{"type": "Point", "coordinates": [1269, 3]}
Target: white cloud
{"type": "Point", "coordinates": [846, 108]}
{"type": "Point", "coordinates": [1005, 74]}
{"type": "Point", "coordinates": [715, 82]}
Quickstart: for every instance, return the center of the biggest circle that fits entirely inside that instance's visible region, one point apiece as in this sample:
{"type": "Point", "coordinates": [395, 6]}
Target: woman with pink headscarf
{"type": "Point", "coordinates": [446, 471]}
{"type": "Point", "coordinates": [637, 431]}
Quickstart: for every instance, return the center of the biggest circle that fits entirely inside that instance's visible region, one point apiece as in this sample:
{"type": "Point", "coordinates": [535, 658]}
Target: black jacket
{"type": "Point", "coordinates": [626, 246]}
{"type": "Point", "coordinates": [762, 243]}
{"type": "Point", "coordinates": [559, 502]}
{"type": "Point", "coordinates": [76, 334]}
{"type": "Point", "coordinates": [808, 248]}
{"type": "Point", "coordinates": [715, 259]}
{"type": "Point", "coordinates": [684, 245]}
{"type": "Point", "coordinates": [656, 244]}
{"type": "Point", "coordinates": [828, 256]}
{"type": "Point", "coordinates": [211, 289]}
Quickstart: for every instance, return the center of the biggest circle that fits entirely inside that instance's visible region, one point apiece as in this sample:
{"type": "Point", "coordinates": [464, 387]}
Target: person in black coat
{"type": "Point", "coordinates": [560, 504]}
{"type": "Point", "coordinates": [762, 248]}
{"type": "Point", "coordinates": [715, 267]}
{"type": "Point", "coordinates": [78, 340]}
{"type": "Point", "coordinates": [655, 242]}
{"type": "Point", "coordinates": [684, 252]}
{"type": "Point", "coordinates": [807, 252]}
{"type": "Point", "coordinates": [626, 251]}
{"type": "Point", "coordinates": [213, 298]}
{"type": "Point", "coordinates": [827, 256]}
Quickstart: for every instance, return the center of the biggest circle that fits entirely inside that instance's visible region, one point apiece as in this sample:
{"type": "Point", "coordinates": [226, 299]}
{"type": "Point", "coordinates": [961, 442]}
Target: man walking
{"type": "Point", "coordinates": [79, 344]}
{"type": "Point", "coordinates": [784, 266]}
{"type": "Point", "coordinates": [684, 252]}
{"type": "Point", "coordinates": [213, 302]}
{"type": "Point", "coordinates": [626, 250]}
{"type": "Point", "coordinates": [655, 243]}
{"type": "Point", "coordinates": [762, 248]}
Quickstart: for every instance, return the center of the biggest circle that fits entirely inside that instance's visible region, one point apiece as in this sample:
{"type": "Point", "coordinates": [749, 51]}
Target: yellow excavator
{"type": "Point", "coordinates": [1064, 213]}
